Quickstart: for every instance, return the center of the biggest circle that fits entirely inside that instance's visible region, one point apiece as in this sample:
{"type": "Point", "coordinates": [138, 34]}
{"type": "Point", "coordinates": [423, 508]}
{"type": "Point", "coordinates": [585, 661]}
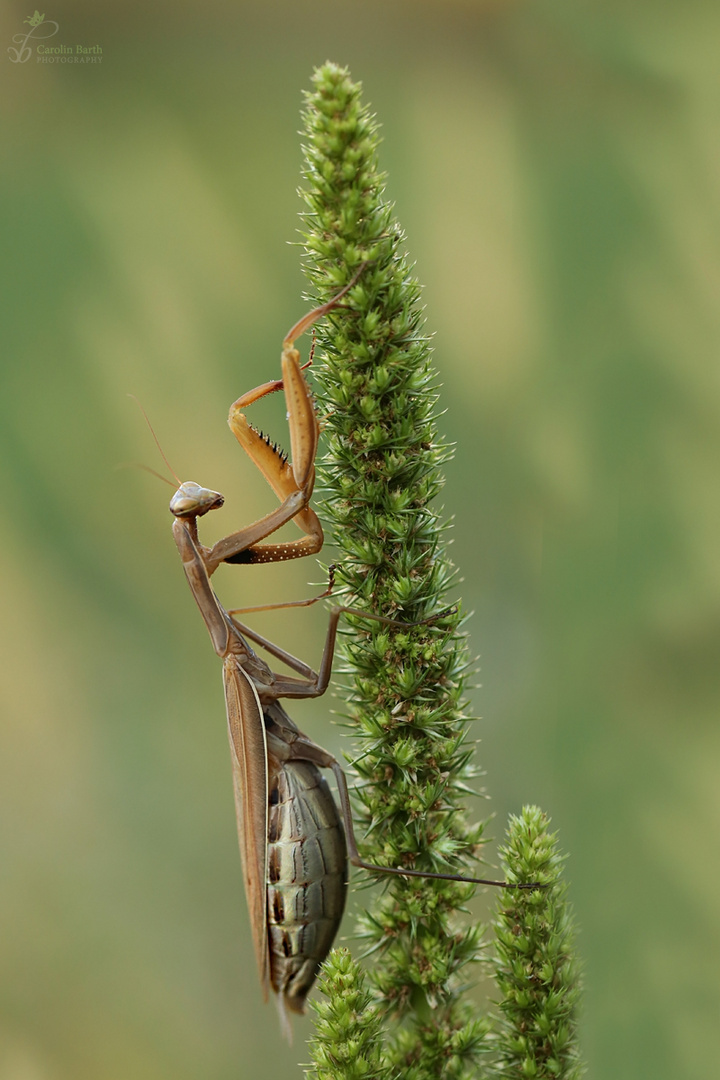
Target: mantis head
{"type": "Point", "coordinates": [192, 501]}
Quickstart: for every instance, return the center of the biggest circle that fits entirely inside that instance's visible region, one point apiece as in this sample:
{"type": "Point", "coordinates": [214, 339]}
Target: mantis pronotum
{"type": "Point", "coordinates": [293, 849]}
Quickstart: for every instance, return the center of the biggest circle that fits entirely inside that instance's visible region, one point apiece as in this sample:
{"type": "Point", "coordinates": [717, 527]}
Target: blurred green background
{"type": "Point", "coordinates": [556, 168]}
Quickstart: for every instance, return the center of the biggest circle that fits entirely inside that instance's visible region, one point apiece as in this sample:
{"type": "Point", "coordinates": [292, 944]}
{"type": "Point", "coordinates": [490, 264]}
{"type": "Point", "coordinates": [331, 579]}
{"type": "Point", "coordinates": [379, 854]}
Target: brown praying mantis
{"type": "Point", "coordinates": [293, 847]}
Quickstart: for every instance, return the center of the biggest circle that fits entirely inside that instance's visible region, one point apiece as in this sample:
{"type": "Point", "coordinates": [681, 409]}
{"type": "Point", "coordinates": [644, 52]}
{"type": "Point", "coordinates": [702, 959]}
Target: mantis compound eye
{"type": "Point", "coordinates": [191, 500]}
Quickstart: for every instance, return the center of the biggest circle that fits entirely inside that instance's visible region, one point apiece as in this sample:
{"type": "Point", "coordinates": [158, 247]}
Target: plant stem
{"type": "Point", "coordinates": [348, 1039]}
{"type": "Point", "coordinates": [380, 473]}
{"type": "Point", "coordinates": [536, 970]}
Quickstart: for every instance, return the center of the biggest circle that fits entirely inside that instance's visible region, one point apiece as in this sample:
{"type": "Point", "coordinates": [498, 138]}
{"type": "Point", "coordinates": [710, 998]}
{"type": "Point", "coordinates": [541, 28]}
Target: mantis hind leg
{"type": "Point", "coordinates": [299, 748]}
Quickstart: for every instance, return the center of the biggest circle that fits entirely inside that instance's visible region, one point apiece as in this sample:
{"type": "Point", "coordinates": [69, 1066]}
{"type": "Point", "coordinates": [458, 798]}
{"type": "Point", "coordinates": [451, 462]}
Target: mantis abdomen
{"type": "Point", "coordinates": [307, 875]}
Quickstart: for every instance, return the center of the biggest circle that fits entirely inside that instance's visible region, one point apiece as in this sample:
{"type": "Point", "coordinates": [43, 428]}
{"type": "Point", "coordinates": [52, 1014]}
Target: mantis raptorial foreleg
{"type": "Point", "coordinates": [291, 480]}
